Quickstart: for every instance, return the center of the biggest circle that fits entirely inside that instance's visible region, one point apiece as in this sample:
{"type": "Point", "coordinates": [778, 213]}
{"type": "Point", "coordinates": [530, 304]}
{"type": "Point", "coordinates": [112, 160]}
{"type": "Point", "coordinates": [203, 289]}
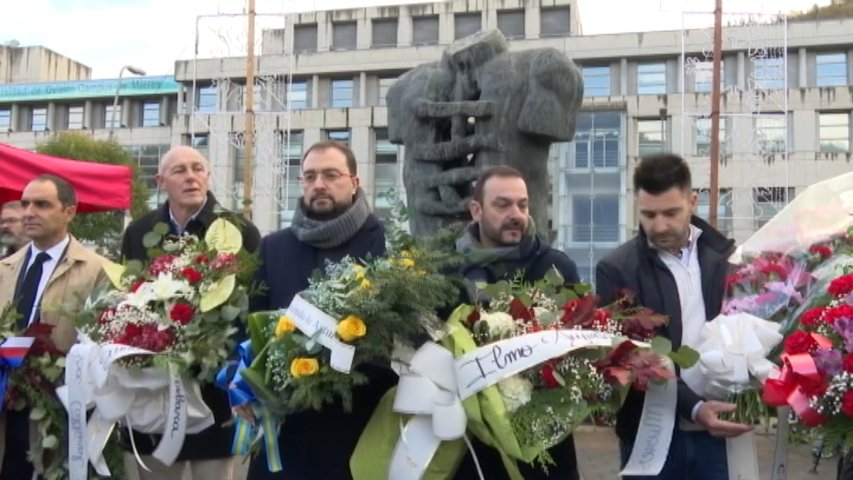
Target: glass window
{"type": "Point", "coordinates": [341, 94]}
{"type": "Point", "coordinates": [385, 173]}
{"type": "Point", "coordinates": [596, 81]}
{"type": "Point", "coordinates": [834, 132]}
{"type": "Point", "coordinates": [651, 136]}
{"type": "Point", "coordinates": [651, 78]}
{"type": "Point", "coordinates": [39, 123]}
{"type": "Point", "coordinates": [596, 218]}
{"type": "Point", "coordinates": [342, 136]}
{"type": "Point", "coordinates": [291, 168]}
{"type": "Point", "coordinates": [385, 32]}
{"type": "Point", "coordinates": [831, 69]}
{"type": "Point", "coordinates": [511, 23]}
{"type": "Point", "coordinates": [151, 114]}
{"type": "Point", "coordinates": [768, 201]}
{"type": "Point", "coordinates": [5, 119]}
{"type": "Point", "coordinates": [770, 133]}
{"type": "Point", "coordinates": [200, 142]}
{"type": "Point", "coordinates": [597, 138]}
{"type": "Point", "coordinates": [703, 76]}
{"type": "Point", "coordinates": [466, 24]}
{"type": "Point", "coordinates": [110, 117]}
{"type": "Point", "coordinates": [147, 159]}
{"type": "Point", "coordinates": [75, 117]}
{"type": "Point", "coordinates": [207, 99]}
{"type": "Point", "coordinates": [297, 96]}
{"type": "Point", "coordinates": [703, 136]}
{"type": "Point", "coordinates": [305, 38]}
{"type": "Point", "coordinates": [343, 35]}
{"type": "Point", "coordinates": [384, 85]}
{"type": "Point", "coordinates": [555, 22]}
{"type": "Point", "coordinates": [724, 208]}
{"type": "Point", "coordinates": [425, 30]}
{"type": "Point", "coordinates": [769, 73]}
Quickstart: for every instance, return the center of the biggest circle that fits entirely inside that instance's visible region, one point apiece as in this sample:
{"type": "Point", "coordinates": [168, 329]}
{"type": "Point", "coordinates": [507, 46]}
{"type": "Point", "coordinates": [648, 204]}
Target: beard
{"type": "Point", "coordinates": [496, 233]}
{"type": "Point", "coordinates": [332, 209]}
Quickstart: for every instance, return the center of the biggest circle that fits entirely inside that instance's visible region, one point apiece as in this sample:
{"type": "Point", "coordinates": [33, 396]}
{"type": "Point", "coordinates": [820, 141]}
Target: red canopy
{"type": "Point", "coordinates": [99, 186]}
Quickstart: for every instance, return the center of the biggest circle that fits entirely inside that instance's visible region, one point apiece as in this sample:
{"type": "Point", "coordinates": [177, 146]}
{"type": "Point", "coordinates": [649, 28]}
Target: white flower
{"type": "Point", "coordinates": [165, 287]}
{"type": "Point", "coordinates": [516, 391]}
{"type": "Point", "coordinates": [500, 324]}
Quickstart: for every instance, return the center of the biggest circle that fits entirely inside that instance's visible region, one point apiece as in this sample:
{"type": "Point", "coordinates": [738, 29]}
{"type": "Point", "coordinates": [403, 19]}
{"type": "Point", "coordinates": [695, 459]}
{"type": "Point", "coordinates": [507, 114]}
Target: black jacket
{"type": "Point", "coordinates": [637, 267]}
{"type": "Point", "coordinates": [537, 259]}
{"type": "Point", "coordinates": [312, 444]}
{"type": "Point", "coordinates": [215, 441]}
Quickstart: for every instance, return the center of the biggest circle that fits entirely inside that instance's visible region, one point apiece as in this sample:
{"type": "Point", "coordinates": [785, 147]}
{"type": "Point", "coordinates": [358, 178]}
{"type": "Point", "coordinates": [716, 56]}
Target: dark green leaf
{"type": "Point", "coordinates": [684, 357]}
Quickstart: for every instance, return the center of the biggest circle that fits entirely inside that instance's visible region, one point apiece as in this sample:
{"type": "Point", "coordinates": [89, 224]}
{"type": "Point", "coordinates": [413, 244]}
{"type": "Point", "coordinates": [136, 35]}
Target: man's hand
{"type": "Point", "coordinates": [708, 416]}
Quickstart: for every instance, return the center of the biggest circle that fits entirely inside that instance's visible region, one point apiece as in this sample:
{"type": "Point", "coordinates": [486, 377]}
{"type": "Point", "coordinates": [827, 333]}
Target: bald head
{"type": "Point", "coordinates": [184, 176]}
{"type": "Point", "coordinates": [180, 152]}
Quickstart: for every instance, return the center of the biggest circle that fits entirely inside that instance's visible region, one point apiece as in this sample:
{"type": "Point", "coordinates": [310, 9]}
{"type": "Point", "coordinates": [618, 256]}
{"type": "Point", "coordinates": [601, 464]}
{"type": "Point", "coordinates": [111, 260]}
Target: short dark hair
{"type": "Point", "coordinates": [658, 173]}
{"type": "Point", "coordinates": [502, 171]}
{"type": "Point", "coordinates": [64, 191]}
{"type": "Point", "coordinates": [341, 147]}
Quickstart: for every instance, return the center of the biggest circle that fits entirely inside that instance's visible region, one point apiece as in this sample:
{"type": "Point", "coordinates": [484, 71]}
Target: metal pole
{"type": "Point", "coordinates": [249, 136]}
{"type": "Point", "coordinates": [714, 193]}
{"type": "Point", "coordinates": [115, 104]}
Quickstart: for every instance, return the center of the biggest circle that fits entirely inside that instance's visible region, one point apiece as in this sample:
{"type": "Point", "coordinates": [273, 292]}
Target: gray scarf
{"type": "Point", "coordinates": [330, 233]}
{"type": "Point", "coordinates": [471, 247]}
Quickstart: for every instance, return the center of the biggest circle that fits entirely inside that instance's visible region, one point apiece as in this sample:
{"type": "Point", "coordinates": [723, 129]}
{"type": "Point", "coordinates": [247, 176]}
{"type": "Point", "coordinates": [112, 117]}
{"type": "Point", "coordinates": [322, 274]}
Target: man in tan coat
{"type": "Point", "coordinates": [48, 279]}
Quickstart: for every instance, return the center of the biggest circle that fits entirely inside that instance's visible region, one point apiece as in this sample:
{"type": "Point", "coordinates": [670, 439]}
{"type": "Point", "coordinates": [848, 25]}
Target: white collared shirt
{"type": "Point", "coordinates": [181, 228]}
{"type": "Point", "coordinates": [48, 268]}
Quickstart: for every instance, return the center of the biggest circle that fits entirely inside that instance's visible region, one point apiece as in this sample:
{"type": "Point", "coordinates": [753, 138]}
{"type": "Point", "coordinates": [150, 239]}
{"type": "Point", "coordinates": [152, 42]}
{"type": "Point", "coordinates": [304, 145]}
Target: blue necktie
{"type": "Point", "coordinates": [27, 295]}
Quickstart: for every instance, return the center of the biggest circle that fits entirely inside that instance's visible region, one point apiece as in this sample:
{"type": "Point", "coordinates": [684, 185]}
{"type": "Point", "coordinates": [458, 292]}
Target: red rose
{"type": "Point", "coordinates": [547, 374]}
{"type": "Point", "coordinates": [201, 259]}
{"type": "Point", "coordinates": [848, 363]}
{"type": "Point", "coordinates": [192, 275]}
{"type": "Point", "coordinates": [847, 404]}
{"type": "Point", "coordinates": [600, 319]}
{"type": "Point", "coordinates": [841, 286]}
{"type": "Point", "coordinates": [821, 250]}
{"type": "Point", "coordinates": [775, 270]}
{"type": "Point", "coordinates": [182, 313]}
{"type": "Point", "coordinates": [136, 284]}
{"type": "Point", "coordinates": [812, 317]}
{"type": "Point", "coordinates": [835, 313]}
{"type": "Point", "coordinates": [799, 342]}
{"type": "Point", "coordinates": [132, 330]}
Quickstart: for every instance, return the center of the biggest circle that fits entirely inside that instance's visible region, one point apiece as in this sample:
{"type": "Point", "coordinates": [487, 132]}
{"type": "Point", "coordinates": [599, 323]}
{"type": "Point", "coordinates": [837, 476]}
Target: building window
{"type": "Point", "coordinates": [703, 76]}
{"type": "Point", "coordinates": [466, 24]}
{"type": "Point", "coordinates": [5, 119]}
{"type": "Point", "coordinates": [555, 22]}
{"type": "Point", "coordinates": [342, 136]}
{"type": "Point", "coordinates": [75, 117]}
{"type": "Point", "coordinates": [834, 132]}
{"type": "Point", "coordinates": [200, 142]}
{"type": "Point", "coordinates": [724, 208]}
{"type": "Point", "coordinates": [291, 164]}
{"type": "Point", "coordinates": [39, 123]}
{"type": "Point", "coordinates": [109, 116]}
{"type": "Point", "coordinates": [595, 218]}
{"type": "Point", "coordinates": [831, 69]}
{"type": "Point", "coordinates": [305, 38]}
{"type": "Point", "coordinates": [147, 158]}
{"type": "Point", "coordinates": [207, 99]}
{"type": "Point", "coordinates": [596, 81]}
{"type": "Point", "coordinates": [385, 32]}
{"type": "Point", "coordinates": [341, 94]}
{"type": "Point", "coordinates": [425, 30]}
{"type": "Point", "coordinates": [385, 174]}
{"type": "Point", "coordinates": [297, 95]}
{"type": "Point", "coordinates": [769, 73]}
{"type": "Point", "coordinates": [597, 138]}
{"type": "Point", "coordinates": [768, 201]}
{"type": "Point", "coordinates": [384, 84]}
{"type": "Point", "coordinates": [651, 136]}
{"type": "Point", "coordinates": [651, 79]}
{"type": "Point", "coordinates": [511, 23]}
{"type": "Point", "coordinates": [770, 133]}
{"type": "Point", "coordinates": [343, 35]}
{"type": "Point", "coordinates": [151, 114]}
{"type": "Point", "coordinates": [703, 137]}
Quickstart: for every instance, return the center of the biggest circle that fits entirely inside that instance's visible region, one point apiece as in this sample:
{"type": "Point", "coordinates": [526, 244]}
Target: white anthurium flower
{"type": "Point", "coordinates": [516, 392]}
{"type": "Point", "coordinates": [166, 287]}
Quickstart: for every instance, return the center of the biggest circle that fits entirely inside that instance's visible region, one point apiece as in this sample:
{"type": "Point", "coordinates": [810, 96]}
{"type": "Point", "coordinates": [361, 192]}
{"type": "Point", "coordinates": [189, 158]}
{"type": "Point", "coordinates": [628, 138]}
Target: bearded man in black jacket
{"type": "Point", "coordinates": [190, 209]}
{"type": "Point", "coordinates": [500, 244]}
{"type": "Point", "coordinates": [333, 220]}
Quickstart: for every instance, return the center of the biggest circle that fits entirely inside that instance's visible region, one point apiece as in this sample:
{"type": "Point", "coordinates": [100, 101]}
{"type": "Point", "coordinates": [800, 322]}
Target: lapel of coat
{"type": "Point", "coordinates": [72, 256]}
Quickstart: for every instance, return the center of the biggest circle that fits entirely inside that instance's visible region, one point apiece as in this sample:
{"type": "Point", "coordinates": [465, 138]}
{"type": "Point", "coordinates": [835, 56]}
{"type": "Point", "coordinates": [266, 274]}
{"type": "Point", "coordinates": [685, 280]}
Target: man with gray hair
{"type": "Point", "coordinates": [12, 236]}
{"type": "Point", "coordinates": [189, 209]}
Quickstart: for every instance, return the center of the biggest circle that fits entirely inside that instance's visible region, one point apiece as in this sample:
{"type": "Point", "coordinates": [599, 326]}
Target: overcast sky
{"type": "Point", "coordinates": [151, 34]}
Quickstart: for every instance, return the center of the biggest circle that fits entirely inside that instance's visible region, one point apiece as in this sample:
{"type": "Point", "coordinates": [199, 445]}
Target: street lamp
{"type": "Point", "coordinates": [133, 70]}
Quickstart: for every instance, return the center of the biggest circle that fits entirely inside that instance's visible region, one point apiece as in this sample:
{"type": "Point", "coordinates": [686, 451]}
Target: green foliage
{"type": "Point", "coordinates": [102, 228]}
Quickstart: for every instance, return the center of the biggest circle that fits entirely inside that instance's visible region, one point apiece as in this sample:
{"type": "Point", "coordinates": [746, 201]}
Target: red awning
{"type": "Point", "coordinates": [99, 186]}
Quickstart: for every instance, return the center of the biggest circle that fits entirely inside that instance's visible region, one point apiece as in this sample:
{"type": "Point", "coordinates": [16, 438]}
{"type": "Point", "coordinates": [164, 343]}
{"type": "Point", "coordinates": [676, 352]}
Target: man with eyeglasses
{"type": "Point", "coordinates": [12, 236]}
{"type": "Point", "coordinates": [332, 220]}
{"type": "Point", "coordinates": [190, 208]}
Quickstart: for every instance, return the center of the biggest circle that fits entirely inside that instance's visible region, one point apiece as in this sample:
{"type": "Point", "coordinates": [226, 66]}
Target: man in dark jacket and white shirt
{"type": "Point", "coordinates": [190, 209]}
{"type": "Point", "coordinates": [499, 244]}
{"type": "Point", "coordinates": [333, 220]}
{"type": "Point", "coordinates": [676, 265]}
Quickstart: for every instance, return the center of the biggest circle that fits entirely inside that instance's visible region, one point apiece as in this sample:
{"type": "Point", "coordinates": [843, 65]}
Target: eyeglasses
{"type": "Point", "coordinates": [328, 176]}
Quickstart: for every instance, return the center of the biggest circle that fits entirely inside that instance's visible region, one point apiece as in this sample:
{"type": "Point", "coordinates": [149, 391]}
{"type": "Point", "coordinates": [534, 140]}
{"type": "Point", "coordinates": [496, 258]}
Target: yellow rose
{"type": "Point", "coordinates": [365, 283]}
{"type": "Point", "coordinates": [304, 367]}
{"type": "Point", "coordinates": [351, 328]}
{"type": "Point", "coordinates": [359, 271]}
{"type": "Point", "coordinates": [285, 325]}
{"type": "Point", "coordinates": [407, 262]}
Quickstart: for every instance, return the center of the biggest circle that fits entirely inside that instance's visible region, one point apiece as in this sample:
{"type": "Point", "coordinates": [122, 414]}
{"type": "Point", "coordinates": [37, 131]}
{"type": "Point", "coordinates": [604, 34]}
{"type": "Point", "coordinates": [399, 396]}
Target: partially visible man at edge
{"type": "Point", "coordinates": [47, 279]}
{"type": "Point", "coordinates": [498, 244]}
{"type": "Point", "coordinates": [190, 208]}
{"type": "Point", "coordinates": [12, 236]}
{"type": "Point", "coordinates": [332, 220]}
{"type": "Point", "coordinates": [676, 265]}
